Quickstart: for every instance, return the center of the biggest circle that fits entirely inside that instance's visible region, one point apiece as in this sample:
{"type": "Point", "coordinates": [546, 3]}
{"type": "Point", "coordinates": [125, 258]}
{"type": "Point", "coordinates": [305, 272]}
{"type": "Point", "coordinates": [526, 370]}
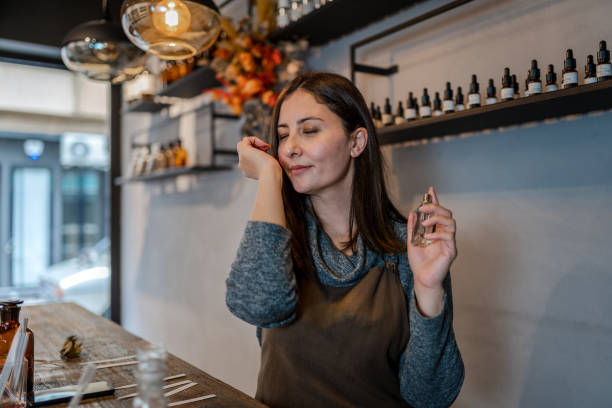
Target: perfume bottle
{"type": "Point", "coordinates": [570, 75]}
{"type": "Point", "coordinates": [604, 69]}
{"type": "Point", "coordinates": [160, 159]}
{"type": "Point", "coordinates": [150, 378]}
{"type": "Point", "coordinates": [296, 10]}
{"type": "Point", "coordinates": [307, 7]}
{"type": "Point", "coordinates": [507, 91]}
{"type": "Point", "coordinates": [551, 79]}
{"type": "Point", "coordinates": [180, 154]}
{"type": "Point", "coordinates": [535, 84]}
{"type": "Point", "coordinates": [169, 162]}
{"type": "Point", "coordinates": [448, 105]}
{"type": "Point", "coordinates": [425, 105]}
{"type": "Point", "coordinates": [282, 14]}
{"type": "Point", "coordinates": [378, 117]}
{"type": "Point", "coordinates": [437, 110]}
{"type": "Point", "coordinates": [387, 117]}
{"type": "Point", "coordinates": [515, 85]}
{"type": "Point", "coordinates": [590, 71]}
{"type": "Point", "coordinates": [491, 93]}
{"type": "Point", "coordinates": [459, 106]}
{"type": "Point", "coordinates": [9, 315]}
{"type": "Point", "coordinates": [150, 163]}
{"type": "Point", "coordinates": [420, 230]}
{"type": "Point", "coordinates": [410, 113]}
{"type": "Point", "coordinates": [399, 117]}
{"type": "Point", "coordinates": [474, 95]}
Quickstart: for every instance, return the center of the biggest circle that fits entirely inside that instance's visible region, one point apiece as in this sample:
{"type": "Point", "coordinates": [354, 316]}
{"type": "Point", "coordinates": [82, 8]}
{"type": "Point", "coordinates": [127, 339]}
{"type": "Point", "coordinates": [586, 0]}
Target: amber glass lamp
{"type": "Point", "coordinates": [171, 29]}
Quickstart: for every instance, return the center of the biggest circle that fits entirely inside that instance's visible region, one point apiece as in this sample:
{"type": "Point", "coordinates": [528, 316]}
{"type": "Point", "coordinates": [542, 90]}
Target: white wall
{"type": "Point", "coordinates": [533, 206]}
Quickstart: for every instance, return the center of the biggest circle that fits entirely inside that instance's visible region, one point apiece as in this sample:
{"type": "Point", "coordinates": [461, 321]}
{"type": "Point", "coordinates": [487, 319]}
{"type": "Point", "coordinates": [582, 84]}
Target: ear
{"type": "Point", "coordinates": [359, 141]}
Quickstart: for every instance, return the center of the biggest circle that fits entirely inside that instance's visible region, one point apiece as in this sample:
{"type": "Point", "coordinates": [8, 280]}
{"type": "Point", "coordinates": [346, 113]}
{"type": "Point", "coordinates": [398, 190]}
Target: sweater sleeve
{"type": "Point", "coordinates": [431, 370]}
{"type": "Point", "coordinates": [261, 287]}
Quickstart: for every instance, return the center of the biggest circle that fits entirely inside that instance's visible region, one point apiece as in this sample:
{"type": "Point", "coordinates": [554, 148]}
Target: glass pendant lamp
{"type": "Point", "coordinates": [100, 50]}
{"type": "Point", "coordinates": [171, 29]}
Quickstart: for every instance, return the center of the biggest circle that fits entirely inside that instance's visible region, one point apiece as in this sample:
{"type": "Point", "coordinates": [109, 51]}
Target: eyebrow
{"type": "Point", "coordinates": [301, 121]}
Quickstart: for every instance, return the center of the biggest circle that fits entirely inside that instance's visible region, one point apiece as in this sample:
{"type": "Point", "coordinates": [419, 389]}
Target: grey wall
{"type": "Point", "coordinates": [533, 205]}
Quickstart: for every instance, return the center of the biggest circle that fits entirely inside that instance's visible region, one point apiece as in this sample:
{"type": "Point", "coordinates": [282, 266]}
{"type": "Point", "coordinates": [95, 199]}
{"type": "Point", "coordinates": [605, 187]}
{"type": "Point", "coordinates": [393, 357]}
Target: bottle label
{"type": "Point", "coordinates": [551, 88]}
{"type": "Point", "coordinates": [604, 70]}
{"type": "Point", "coordinates": [491, 101]}
{"type": "Point", "coordinates": [387, 119]}
{"type": "Point", "coordinates": [410, 113]}
{"type": "Point", "coordinates": [448, 105]}
{"type": "Point", "coordinates": [507, 93]}
{"type": "Point", "coordinates": [570, 78]}
{"type": "Point", "coordinates": [459, 107]}
{"type": "Point", "coordinates": [282, 20]}
{"type": "Point", "coordinates": [474, 99]}
{"type": "Point", "coordinates": [425, 111]}
{"type": "Point", "coordinates": [535, 88]}
{"type": "Point", "coordinates": [437, 112]}
{"type": "Point", "coordinates": [591, 80]}
{"type": "Point", "coordinates": [399, 120]}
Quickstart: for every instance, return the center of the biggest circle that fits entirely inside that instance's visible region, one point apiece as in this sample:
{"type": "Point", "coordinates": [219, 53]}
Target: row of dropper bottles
{"type": "Point", "coordinates": [509, 91]}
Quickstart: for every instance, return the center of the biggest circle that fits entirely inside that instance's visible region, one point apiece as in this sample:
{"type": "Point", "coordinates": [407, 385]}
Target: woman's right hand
{"type": "Point", "coordinates": [253, 159]}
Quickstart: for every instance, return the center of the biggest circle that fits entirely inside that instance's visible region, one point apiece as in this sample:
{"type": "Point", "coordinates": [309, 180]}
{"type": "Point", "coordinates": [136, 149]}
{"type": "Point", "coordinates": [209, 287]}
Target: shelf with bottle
{"type": "Point", "coordinates": [147, 104]}
{"type": "Point", "coordinates": [536, 107]}
{"type": "Point", "coordinates": [332, 19]}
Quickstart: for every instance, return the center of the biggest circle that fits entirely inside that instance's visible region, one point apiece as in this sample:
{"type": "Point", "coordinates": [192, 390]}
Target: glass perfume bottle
{"type": "Point", "coordinates": [551, 79]}
{"type": "Point", "coordinates": [448, 105]}
{"type": "Point", "coordinates": [459, 105]}
{"type": "Point", "coordinates": [150, 377]}
{"type": "Point", "coordinates": [425, 105]}
{"type": "Point", "coordinates": [399, 117]}
{"type": "Point", "coordinates": [535, 84]}
{"type": "Point", "coordinates": [590, 71]}
{"type": "Point", "coordinates": [180, 155]}
{"type": "Point", "coordinates": [604, 68]}
{"type": "Point", "coordinates": [437, 105]}
{"type": "Point", "coordinates": [419, 231]}
{"type": "Point", "coordinates": [9, 314]}
{"type": "Point", "coordinates": [410, 113]}
{"type": "Point", "coordinates": [169, 156]}
{"type": "Point", "coordinates": [507, 91]}
{"type": "Point", "coordinates": [491, 93]}
{"type": "Point", "coordinates": [474, 95]}
{"type": "Point", "coordinates": [387, 117]}
{"type": "Point", "coordinates": [570, 75]}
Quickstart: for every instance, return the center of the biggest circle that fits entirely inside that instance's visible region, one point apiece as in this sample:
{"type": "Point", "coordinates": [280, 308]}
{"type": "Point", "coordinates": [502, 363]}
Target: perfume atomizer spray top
{"type": "Point", "coordinates": [419, 230]}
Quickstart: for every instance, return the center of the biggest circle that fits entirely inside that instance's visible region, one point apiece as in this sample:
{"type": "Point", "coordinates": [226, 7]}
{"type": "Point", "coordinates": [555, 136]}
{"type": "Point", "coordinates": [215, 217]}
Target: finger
{"type": "Point", "coordinates": [447, 223]}
{"type": "Point", "coordinates": [440, 235]}
{"type": "Point", "coordinates": [256, 142]}
{"type": "Point", "coordinates": [434, 197]}
{"type": "Point", "coordinates": [437, 210]}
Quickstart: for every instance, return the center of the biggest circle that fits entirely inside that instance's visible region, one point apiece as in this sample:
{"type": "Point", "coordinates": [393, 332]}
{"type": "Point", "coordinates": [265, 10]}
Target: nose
{"type": "Point", "coordinates": [291, 145]}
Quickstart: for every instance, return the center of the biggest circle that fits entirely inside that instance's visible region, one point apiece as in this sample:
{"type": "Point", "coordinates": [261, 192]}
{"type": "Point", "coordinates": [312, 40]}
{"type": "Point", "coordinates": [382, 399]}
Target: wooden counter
{"type": "Point", "coordinates": [103, 339]}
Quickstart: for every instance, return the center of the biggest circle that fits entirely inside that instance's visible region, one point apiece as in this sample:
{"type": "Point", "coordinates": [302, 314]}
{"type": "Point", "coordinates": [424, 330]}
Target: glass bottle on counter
{"type": "Point", "coordinates": [180, 154]}
{"type": "Point", "coordinates": [535, 84]}
{"type": "Point", "coordinates": [448, 105]}
{"type": "Point", "coordinates": [551, 79]}
{"type": "Point", "coordinates": [570, 75]}
{"type": "Point", "coordinates": [474, 95]}
{"type": "Point", "coordinates": [459, 105]}
{"type": "Point", "coordinates": [9, 315]}
{"type": "Point", "coordinates": [150, 377]}
{"type": "Point", "coordinates": [437, 105]}
{"type": "Point", "coordinates": [425, 105]}
{"type": "Point", "coordinates": [590, 71]}
{"type": "Point", "coordinates": [419, 230]}
{"type": "Point", "coordinates": [604, 69]}
{"type": "Point", "coordinates": [507, 91]}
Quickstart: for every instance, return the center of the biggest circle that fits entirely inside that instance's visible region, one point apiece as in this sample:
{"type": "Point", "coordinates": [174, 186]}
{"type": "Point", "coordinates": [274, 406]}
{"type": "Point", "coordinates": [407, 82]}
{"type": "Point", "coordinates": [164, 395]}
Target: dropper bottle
{"type": "Point", "coordinates": [399, 117]}
{"type": "Point", "coordinates": [491, 93]}
{"type": "Point", "coordinates": [459, 105]}
{"type": "Point", "coordinates": [590, 71]}
{"type": "Point", "coordinates": [410, 113]}
{"type": "Point", "coordinates": [437, 105]}
{"type": "Point", "coordinates": [527, 83]}
{"type": "Point", "coordinates": [551, 79]}
{"type": "Point", "coordinates": [604, 68]}
{"type": "Point", "coordinates": [570, 75]}
{"type": "Point", "coordinates": [507, 91]}
{"type": "Point", "coordinates": [378, 117]}
{"type": "Point", "coordinates": [535, 84]}
{"type": "Point", "coordinates": [448, 105]}
{"type": "Point", "coordinates": [474, 95]}
{"type": "Point", "coordinates": [387, 117]}
{"type": "Point", "coordinates": [515, 85]}
{"type": "Point", "coordinates": [425, 105]}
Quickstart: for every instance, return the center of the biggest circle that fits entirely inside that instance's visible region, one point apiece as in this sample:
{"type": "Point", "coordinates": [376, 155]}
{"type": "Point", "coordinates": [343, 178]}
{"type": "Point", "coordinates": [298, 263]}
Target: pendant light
{"type": "Point", "coordinates": [100, 50]}
{"type": "Point", "coordinates": [171, 29]}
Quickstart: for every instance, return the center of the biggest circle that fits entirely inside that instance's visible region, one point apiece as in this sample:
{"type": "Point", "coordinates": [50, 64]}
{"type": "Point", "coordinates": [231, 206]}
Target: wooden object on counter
{"type": "Point", "coordinates": [103, 339]}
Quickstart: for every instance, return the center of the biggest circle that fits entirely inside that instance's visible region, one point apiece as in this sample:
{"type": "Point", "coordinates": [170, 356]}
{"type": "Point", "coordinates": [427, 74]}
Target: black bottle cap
{"type": "Point", "coordinates": [400, 109]}
{"type": "Point", "coordinates": [506, 79]}
{"type": "Point", "coordinates": [10, 310]}
{"type": "Point", "coordinates": [459, 97]}
{"type": "Point", "coordinates": [474, 87]}
{"type": "Point", "coordinates": [491, 89]}
{"type": "Point", "coordinates": [425, 98]}
{"type": "Point", "coordinates": [534, 72]}
{"type": "Point", "coordinates": [570, 61]}
{"type": "Point", "coordinates": [515, 84]}
{"type": "Point", "coordinates": [551, 76]}
{"type": "Point", "coordinates": [387, 106]}
{"type": "Point", "coordinates": [603, 55]}
{"type": "Point", "coordinates": [448, 92]}
{"type": "Point", "coordinates": [590, 69]}
{"type": "Point", "coordinates": [437, 101]}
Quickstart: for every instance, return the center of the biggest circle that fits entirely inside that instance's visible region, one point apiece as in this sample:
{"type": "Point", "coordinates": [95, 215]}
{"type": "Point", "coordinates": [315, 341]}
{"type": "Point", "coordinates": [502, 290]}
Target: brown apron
{"type": "Point", "coordinates": [342, 350]}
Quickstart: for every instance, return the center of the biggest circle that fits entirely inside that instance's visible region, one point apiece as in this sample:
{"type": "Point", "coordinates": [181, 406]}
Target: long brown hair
{"type": "Point", "coordinates": [371, 209]}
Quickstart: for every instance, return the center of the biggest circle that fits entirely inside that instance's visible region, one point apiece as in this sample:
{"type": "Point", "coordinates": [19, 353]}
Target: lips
{"type": "Point", "coordinates": [298, 169]}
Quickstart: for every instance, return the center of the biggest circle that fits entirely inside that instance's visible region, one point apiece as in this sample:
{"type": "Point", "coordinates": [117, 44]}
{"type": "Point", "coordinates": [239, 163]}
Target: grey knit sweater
{"type": "Point", "coordinates": [261, 290]}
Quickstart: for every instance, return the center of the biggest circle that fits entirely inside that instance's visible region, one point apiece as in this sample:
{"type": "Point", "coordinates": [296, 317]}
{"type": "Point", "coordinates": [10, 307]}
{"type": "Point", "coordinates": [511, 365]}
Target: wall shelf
{"type": "Point", "coordinates": [169, 173]}
{"type": "Point", "coordinates": [579, 100]}
{"type": "Point", "coordinates": [192, 84]}
{"type": "Point", "coordinates": [144, 106]}
{"type": "Point", "coordinates": [338, 18]}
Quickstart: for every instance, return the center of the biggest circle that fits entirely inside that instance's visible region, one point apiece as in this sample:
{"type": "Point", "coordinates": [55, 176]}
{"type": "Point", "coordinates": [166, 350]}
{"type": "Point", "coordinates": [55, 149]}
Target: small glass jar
{"type": "Point", "coordinates": [150, 378]}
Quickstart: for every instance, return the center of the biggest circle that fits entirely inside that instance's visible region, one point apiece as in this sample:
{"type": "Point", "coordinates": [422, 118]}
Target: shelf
{"type": "Point", "coordinates": [145, 106]}
{"type": "Point", "coordinates": [338, 18]}
{"type": "Point", "coordinates": [170, 173]}
{"type": "Point", "coordinates": [579, 100]}
{"type": "Point", "coordinates": [192, 84]}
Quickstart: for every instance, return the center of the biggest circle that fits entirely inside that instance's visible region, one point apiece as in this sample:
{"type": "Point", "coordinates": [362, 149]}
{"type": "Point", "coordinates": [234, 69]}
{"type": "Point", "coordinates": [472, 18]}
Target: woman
{"type": "Point", "coordinates": [348, 311]}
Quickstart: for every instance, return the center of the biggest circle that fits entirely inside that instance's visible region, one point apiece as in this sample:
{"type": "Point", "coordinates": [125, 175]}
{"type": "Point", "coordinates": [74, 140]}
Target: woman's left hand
{"type": "Point", "coordinates": [431, 264]}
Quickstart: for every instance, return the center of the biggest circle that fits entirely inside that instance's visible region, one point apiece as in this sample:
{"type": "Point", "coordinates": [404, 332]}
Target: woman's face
{"type": "Point", "coordinates": [313, 148]}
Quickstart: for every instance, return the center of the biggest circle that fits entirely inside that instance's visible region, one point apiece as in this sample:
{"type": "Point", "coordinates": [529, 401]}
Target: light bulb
{"type": "Point", "coordinates": [171, 17]}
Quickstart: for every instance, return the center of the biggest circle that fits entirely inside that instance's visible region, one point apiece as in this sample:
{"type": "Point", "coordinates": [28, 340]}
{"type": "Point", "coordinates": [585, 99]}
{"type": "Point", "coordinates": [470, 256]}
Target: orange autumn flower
{"type": "Point", "coordinates": [251, 87]}
{"type": "Point", "coordinates": [247, 61]}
